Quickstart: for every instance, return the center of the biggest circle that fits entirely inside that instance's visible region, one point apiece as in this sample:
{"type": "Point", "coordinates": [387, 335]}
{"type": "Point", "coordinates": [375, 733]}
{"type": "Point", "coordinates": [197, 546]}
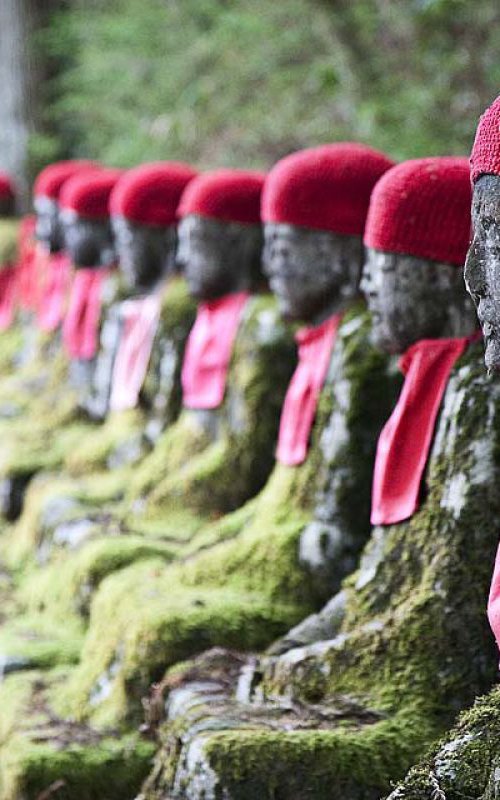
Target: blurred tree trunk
{"type": "Point", "coordinates": [21, 72]}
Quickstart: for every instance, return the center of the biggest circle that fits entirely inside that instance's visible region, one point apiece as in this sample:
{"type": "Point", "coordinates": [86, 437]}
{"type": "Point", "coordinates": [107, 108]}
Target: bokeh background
{"type": "Point", "coordinates": [240, 82]}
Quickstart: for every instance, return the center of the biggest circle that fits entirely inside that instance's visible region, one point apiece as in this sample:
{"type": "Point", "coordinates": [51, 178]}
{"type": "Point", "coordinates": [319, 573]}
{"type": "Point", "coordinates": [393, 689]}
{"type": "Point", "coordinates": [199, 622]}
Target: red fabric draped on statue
{"type": "Point", "coordinates": [404, 443]}
{"type": "Point", "coordinates": [494, 600]}
{"type": "Point", "coordinates": [8, 296]}
{"type": "Point", "coordinates": [315, 347]}
{"type": "Point", "coordinates": [54, 292]}
{"type": "Point", "coordinates": [28, 294]}
{"type": "Point", "coordinates": [209, 349]}
{"type": "Point", "coordinates": [81, 324]}
{"type": "Point", "coordinates": [141, 317]}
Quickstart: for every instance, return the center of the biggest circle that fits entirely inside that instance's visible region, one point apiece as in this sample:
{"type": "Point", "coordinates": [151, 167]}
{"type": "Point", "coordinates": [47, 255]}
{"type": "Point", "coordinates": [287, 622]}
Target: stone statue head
{"type": "Point", "coordinates": [218, 257]}
{"type": "Point", "coordinates": [416, 235]}
{"type": "Point", "coordinates": [482, 268]}
{"type": "Point", "coordinates": [48, 228]}
{"type": "Point", "coordinates": [48, 186]}
{"type": "Point", "coordinates": [313, 273]}
{"type": "Point", "coordinates": [220, 234]}
{"type": "Point", "coordinates": [84, 218]}
{"type": "Point", "coordinates": [146, 254]}
{"type": "Point", "coordinates": [143, 208]}
{"type": "Point", "coordinates": [314, 206]}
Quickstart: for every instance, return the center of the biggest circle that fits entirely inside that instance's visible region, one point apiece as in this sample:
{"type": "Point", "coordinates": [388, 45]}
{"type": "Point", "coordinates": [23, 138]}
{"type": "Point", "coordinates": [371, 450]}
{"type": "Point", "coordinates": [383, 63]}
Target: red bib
{"type": "Point", "coordinates": [8, 296]}
{"type": "Point", "coordinates": [315, 347]}
{"type": "Point", "coordinates": [208, 351]}
{"type": "Point", "coordinates": [81, 324]}
{"type": "Point", "coordinates": [54, 292]}
{"type": "Point", "coordinates": [28, 281]}
{"type": "Point", "coordinates": [404, 443]}
{"type": "Point", "coordinates": [141, 317]}
{"type": "Point", "coordinates": [494, 600]}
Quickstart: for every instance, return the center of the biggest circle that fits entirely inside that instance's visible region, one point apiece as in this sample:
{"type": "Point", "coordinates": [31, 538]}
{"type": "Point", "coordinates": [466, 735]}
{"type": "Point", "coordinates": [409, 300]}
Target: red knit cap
{"type": "Point", "coordinates": [422, 208]}
{"type": "Point", "coordinates": [7, 188]}
{"type": "Point", "coordinates": [326, 188]}
{"type": "Point", "coordinates": [150, 194]}
{"type": "Point", "coordinates": [230, 195]}
{"type": "Point", "coordinates": [88, 194]}
{"type": "Point", "coordinates": [50, 180]}
{"type": "Point", "coordinates": [485, 156]}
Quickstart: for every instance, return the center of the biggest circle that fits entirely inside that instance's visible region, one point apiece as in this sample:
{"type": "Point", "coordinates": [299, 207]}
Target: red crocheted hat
{"type": "Point", "coordinates": [485, 156]}
{"type": "Point", "coordinates": [422, 208]}
{"type": "Point", "coordinates": [88, 194]}
{"type": "Point", "coordinates": [150, 194]}
{"type": "Point", "coordinates": [230, 195]}
{"type": "Point", "coordinates": [50, 180]}
{"type": "Point", "coordinates": [325, 188]}
{"type": "Point", "coordinates": [7, 188]}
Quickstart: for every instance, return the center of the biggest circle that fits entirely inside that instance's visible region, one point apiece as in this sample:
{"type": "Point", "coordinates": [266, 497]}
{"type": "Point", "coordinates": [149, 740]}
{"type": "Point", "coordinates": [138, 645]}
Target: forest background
{"type": "Point", "coordinates": [242, 82]}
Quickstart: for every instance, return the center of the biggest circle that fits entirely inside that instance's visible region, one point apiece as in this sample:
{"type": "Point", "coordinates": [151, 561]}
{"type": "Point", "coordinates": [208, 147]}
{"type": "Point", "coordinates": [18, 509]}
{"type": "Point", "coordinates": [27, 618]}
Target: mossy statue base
{"type": "Point", "coordinates": [411, 650]}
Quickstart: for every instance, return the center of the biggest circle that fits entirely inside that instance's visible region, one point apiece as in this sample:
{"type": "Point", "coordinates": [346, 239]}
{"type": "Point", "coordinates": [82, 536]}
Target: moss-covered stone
{"type": "Point", "coordinates": [244, 573]}
{"type": "Point", "coordinates": [44, 755]}
{"type": "Point", "coordinates": [465, 763]}
{"type": "Point", "coordinates": [413, 647]}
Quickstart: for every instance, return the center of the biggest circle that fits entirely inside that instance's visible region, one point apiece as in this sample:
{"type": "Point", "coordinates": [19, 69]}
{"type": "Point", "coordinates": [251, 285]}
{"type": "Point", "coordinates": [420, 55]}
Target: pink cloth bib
{"type": "Point", "coordinates": [54, 292]}
{"type": "Point", "coordinates": [404, 443]}
{"type": "Point", "coordinates": [81, 324]}
{"type": "Point", "coordinates": [208, 351]}
{"type": "Point", "coordinates": [315, 347]}
{"type": "Point", "coordinates": [8, 296]}
{"type": "Point", "coordinates": [141, 317]}
{"type": "Point", "coordinates": [494, 600]}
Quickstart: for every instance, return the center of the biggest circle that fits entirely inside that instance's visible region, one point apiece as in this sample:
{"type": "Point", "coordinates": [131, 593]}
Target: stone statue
{"type": "Point", "coordinates": [404, 645]}
{"type": "Point", "coordinates": [466, 762]}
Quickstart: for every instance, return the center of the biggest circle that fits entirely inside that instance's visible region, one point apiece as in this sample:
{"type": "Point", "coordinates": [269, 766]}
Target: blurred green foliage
{"type": "Point", "coordinates": [242, 82]}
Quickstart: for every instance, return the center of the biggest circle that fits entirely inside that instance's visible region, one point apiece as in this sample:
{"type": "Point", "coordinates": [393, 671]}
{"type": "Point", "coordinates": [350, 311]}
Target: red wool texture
{"type": "Point", "coordinates": [325, 188]}
{"type": "Point", "coordinates": [7, 188]}
{"type": "Point", "coordinates": [485, 156]}
{"type": "Point", "coordinates": [51, 179]}
{"type": "Point", "coordinates": [88, 194]}
{"type": "Point", "coordinates": [422, 208]}
{"type": "Point", "coordinates": [228, 195]}
{"type": "Point", "coordinates": [150, 194]}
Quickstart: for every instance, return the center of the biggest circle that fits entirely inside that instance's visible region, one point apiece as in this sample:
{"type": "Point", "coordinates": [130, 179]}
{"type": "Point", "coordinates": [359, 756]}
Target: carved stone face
{"type": "Point", "coordinates": [48, 229]}
{"type": "Point", "coordinates": [482, 267]}
{"type": "Point", "coordinates": [412, 298]}
{"type": "Point", "coordinates": [89, 242]}
{"type": "Point", "coordinates": [312, 273]}
{"type": "Point", "coordinates": [145, 253]}
{"type": "Point", "coordinates": [218, 258]}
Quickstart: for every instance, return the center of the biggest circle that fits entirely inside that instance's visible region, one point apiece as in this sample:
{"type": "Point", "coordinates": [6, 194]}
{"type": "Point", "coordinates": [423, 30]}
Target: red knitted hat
{"type": "Point", "coordinates": [230, 195]}
{"type": "Point", "coordinates": [88, 194]}
{"type": "Point", "coordinates": [422, 208]}
{"type": "Point", "coordinates": [7, 188]}
{"type": "Point", "coordinates": [150, 194]}
{"type": "Point", "coordinates": [50, 180]}
{"type": "Point", "coordinates": [325, 188]}
{"type": "Point", "coordinates": [485, 156]}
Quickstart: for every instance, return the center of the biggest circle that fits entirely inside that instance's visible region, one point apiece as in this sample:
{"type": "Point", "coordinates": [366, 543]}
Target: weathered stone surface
{"type": "Point", "coordinates": [412, 648]}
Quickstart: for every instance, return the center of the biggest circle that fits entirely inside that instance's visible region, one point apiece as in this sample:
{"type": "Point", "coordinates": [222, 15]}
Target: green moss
{"type": "Point", "coordinates": [40, 751]}
{"type": "Point", "coordinates": [9, 235]}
